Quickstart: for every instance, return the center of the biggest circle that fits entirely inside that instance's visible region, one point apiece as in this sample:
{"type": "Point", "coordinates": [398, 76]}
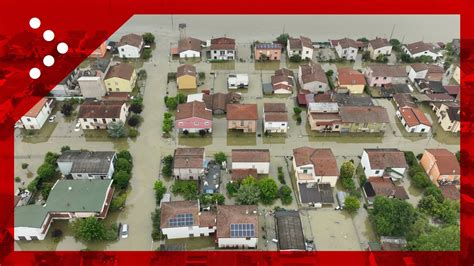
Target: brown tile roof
{"type": "Point", "coordinates": [240, 174]}
{"type": "Point", "coordinates": [122, 70]}
{"type": "Point", "coordinates": [34, 111]}
{"type": "Point", "coordinates": [363, 114]}
{"type": "Point", "coordinates": [452, 89]}
{"type": "Point", "coordinates": [284, 71]}
{"type": "Point", "coordinates": [116, 96]}
{"type": "Point", "coordinates": [450, 192]}
{"type": "Point", "coordinates": [306, 42]}
{"type": "Point", "coordinates": [435, 69]}
{"type": "Point", "coordinates": [219, 101]}
{"type": "Point", "coordinates": [235, 214]}
{"type": "Point", "coordinates": [250, 155]}
{"type": "Point", "coordinates": [282, 86]}
{"type": "Point", "coordinates": [242, 112]}
{"type": "Point", "coordinates": [222, 43]}
{"type": "Point", "coordinates": [172, 209]}
{"type": "Point", "coordinates": [188, 158]}
{"type": "Point", "coordinates": [385, 187]}
{"type": "Point", "coordinates": [186, 70]}
{"type": "Point", "coordinates": [295, 44]}
{"type": "Point", "coordinates": [207, 219]}
{"type": "Point", "coordinates": [404, 99]}
{"type": "Point", "coordinates": [386, 158]}
{"type": "Point", "coordinates": [446, 161]}
{"type": "Point", "coordinates": [274, 107]}
{"type": "Point", "coordinates": [323, 160]}
{"type": "Point", "coordinates": [193, 109]}
{"type": "Point", "coordinates": [418, 67]}
{"type": "Point", "coordinates": [100, 109]}
{"type": "Point", "coordinates": [131, 39]}
{"type": "Point", "coordinates": [413, 116]}
{"type": "Point", "coordinates": [420, 46]}
{"type": "Point", "coordinates": [346, 43]}
{"type": "Point", "coordinates": [281, 78]}
{"type": "Point", "coordinates": [349, 76]}
{"type": "Point", "coordinates": [379, 43]}
{"type": "Point", "coordinates": [189, 43]}
{"type": "Point", "coordinates": [439, 97]}
{"type": "Point", "coordinates": [313, 72]}
{"type": "Point", "coordinates": [276, 117]}
{"type": "Point", "coordinates": [388, 70]}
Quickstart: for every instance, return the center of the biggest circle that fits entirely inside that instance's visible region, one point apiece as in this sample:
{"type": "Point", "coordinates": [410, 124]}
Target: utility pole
{"type": "Point", "coordinates": [391, 34]}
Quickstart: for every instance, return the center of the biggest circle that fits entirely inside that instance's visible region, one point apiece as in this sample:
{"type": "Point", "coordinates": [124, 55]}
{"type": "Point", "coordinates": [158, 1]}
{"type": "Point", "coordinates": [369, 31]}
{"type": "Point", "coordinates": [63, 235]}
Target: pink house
{"type": "Point", "coordinates": [381, 75]}
{"type": "Point", "coordinates": [193, 117]}
{"type": "Point", "coordinates": [267, 51]}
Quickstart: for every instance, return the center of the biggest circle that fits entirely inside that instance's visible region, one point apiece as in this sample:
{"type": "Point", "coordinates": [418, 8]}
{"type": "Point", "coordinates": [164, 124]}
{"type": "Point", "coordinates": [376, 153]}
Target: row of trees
{"type": "Point", "coordinates": [123, 170]}
{"type": "Point", "coordinates": [172, 102]}
{"type": "Point", "coordinates": [251, 191]}
{"type": "Point", "coordinates": [46, 175]}
{"type": "Point", "coordinates": [167, 123]}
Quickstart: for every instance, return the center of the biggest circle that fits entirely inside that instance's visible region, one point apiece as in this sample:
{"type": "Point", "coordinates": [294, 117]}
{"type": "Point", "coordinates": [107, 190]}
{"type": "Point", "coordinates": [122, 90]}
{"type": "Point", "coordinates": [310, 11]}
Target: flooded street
{"type": "Point", "coordinates": [149, 147]}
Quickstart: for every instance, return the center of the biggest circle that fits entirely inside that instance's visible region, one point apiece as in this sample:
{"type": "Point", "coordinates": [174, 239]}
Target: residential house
{"type": "Point", "coordinates": [369, 119]}
{"type": "Point", "coordinates": [302, 46]}
{"type": "Point", "coordinates": [313, 78]}
{"type": "Point", "coordinates": [68, 199]}
{"type": "Point", "coordinates": [38, 114]}
{"type": "Point", "coordinates": [282, 82]}
{"type": "Point", "coordinates": [403, 99]}
{"type": "Point", "coordinates": [379, 75]}
{"type": "Point", "coordinates": [237, 226]}
{"type": "Point", "coordinates": [98, 114]}
{"type": "Point", "coordinates": [347, 48]}
{"type": "Point", "coordinates": [241, 174]}
{"type": "Point", "coordinates": [237, 81]}
{"type": "Point", "coordinates": [267, 51]}
{"type": "Point", "coordinates": [388, 163]}
{"type": "Point", "coordinates": [251, 159]}
{"type": "Point", "coordinates": [222, 48]}
{"type": "Point", "coordinates": [100, 51]}
{"type": "Point", "coordinates": [388, 90]}
{"type": "Point", "coordinates": [130, 46]}
{"type": "Point", "coordinates": [413, 120]}
{"type": "Point", "coordinates": [417, 49]}
{"type": "Point", "coordinates": [420, 71]}
{"type": "Point", "coordinates": [452, 90]}
{"type": "Point", "coordinates": [324, 117]}
{"type": "Point", "coordinates": [68, 86]}
{"type": "Point", "coordinates": [351, 79]}
{"type": "Point", "coordinates": [193, 117]}
{"type": "Point", "coordinates": [449, 116]}
{"type": "Point", "coordinates": [289, 231]}
{"type": "Point", "coordinates": [431, 87]}
{"type": "Point", "coordinates": [188, 163]}
{"type": "Point", "coordinates": [441, 166]}
{"type": "Point", "coordinates": [184, 219]}
{"type": "Point", "coordinates": [275, 118]}
{"type": "Point", "coordinates": [186, 77]}
{"type": "Point", "coordinates": [120, 78]}
{"type": "Point", "coordinates": [92, 86]}
{"type": "Point", "coordinates": [242, 117]}
{"type": "Point", "coordinates": [189, 48]}
{"type": "Point", "coordinates": [383, 187]}
{"type": "Point", "coordinates": [379, 46]}
{"type": "Point", "coordinates": [218, 102]}
{"type": "Point", "coordinates": [316, 166]}
{"type": "Point", "coordinates": [87, 164]}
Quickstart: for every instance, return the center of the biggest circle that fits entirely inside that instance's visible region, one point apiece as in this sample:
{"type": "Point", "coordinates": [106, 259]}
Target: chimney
{"type": "Point", "coordinates": [246, 211]}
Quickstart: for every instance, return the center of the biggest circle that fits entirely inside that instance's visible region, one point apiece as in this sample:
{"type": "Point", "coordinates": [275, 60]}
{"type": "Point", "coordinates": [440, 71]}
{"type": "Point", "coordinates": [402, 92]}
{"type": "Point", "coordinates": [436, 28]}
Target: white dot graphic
{"type": "Point", "coordinates": [48, 35]}
{"type": "Point", "coordinates": [35, 73]}
{"type": "Point", "coordinates": [48, 60]}
{"type": "Point", "coordinates": [62, 48]}
{"type": "Point", "coordinates": [35, 23]}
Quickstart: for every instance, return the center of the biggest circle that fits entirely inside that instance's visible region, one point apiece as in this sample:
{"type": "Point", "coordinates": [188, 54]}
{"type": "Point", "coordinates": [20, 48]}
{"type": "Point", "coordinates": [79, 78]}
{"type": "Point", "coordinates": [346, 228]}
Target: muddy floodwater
{"type": "Point", "coordinates": [149, 147]}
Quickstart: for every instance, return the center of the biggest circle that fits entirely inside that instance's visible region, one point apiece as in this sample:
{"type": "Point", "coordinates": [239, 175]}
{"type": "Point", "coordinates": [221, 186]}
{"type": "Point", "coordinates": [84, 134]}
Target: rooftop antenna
{"type": "Point", "coordinates": [182, 31]}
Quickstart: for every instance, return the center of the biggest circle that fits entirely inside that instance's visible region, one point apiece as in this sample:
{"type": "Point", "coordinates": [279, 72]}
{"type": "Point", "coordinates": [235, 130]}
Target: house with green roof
{"type": "Point", "coordinates": [68, 199]}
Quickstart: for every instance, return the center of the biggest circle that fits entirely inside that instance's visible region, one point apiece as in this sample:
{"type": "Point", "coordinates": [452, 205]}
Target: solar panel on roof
{"type": "Point", "coordinates": [242, 230]}
{"type": "Point", "coordinates": [180, 220]}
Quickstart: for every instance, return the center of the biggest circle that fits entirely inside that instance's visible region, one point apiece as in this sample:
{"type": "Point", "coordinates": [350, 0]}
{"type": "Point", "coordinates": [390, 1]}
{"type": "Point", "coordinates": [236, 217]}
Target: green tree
{"type": "Point", "coordinates": [268, 190]}
{"type": "Point", "coordinates": [89, 229]}
{"type": "Point", "coordinates": [396, 45]}
{"type": "Point", "coordinates": [392, 217]}
{"type": "Point", "coordinates": [347, 170]}
{"type": "Point", "coordinates": [45, 190]}
{"type": "Point", "coordinates": [295, 58]}
{"type": "Point", "coordinates": [220, 157]}
{"type": "Point", "coordinates": [146, 54]}
{"type": "Point", "coordinates": [121, 179]}
{"type": "Point", "coordinates": [160, 190]}
{"type": "Point", "coordinates": [248, 194]}
{"type": "Point", "coordinates": [65, 148]}
{"type": "Point", "coordinates": [439, 239]}
{"type": "Point", "coordinates": [351, 204]}
{"type": "Point", "coordinates": [148, 38]}
{"type": "Point", "coordinates": [285, 195]}
{"type": "Point", "coordinates": [167, 169]}
{"type": "Point", "coordinates": [366, 56]}
{"type": "Point", "coordinates": [283, 39]}
{"type": "Point", "coordinates": [67, 108]}
{"type": "Point", "coordinates": [181, 98]}
{"type": "Point", "coordinates": [435, 192]}
{"type": "Point", "coordinates": [125, 155]}
{"type": "Point", "coordinates": [329, 73]}
{"type": "Point", "coordinates": [136, 104]}
{"type": "Point", "coordinates": [51, 158]}
{"type": "Point", "coordinates": [447, 212]}
{"type": "Point", "coordinates": [46, 170]}
{"type": "Point", "coordinates": [116, 129]}
{"type": "Point", "coordinates": [406, 58]}
{"type": "Point", "coordinates": [219, 198]}
{"type": "Point", "coordinates": [232, 188]}
{"type": "Point", "coordinates": [122, 164]}
{"type": "Point", "coordinates": [458, 156]}
{"type": "Point", "coordinates": [186, 188]}
{"type": "Point", "coordinates": [420, 180]}
{"type": "Point", "coordinates": [167, 126]}
{"type": "Point", "coordinates": [156, 233]}
{"type": "Point", "coordinates": [381, 59]}
{"type": "Point", "coordinates": [297, 110]}
{"type": "Point", "coordinates": [134, 120]}
{"type": "Point", "coordinates": [171, 103]}
{"type": "Point", "coordinates": [427, 204]}
{"type": "Point", "coordinates": [363, 39]}
{"type": "Point", "coordinates": [118, 201]}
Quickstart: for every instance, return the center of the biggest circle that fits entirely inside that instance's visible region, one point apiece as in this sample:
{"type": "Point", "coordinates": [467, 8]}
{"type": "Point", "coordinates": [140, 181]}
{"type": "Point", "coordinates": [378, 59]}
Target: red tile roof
{"type": "Point", "coordinates": [240, 174]}
{"type": "Point", "coordinates": [222, 43]}
{"type": "Point", "coordinates": [313, 72]}
{"type": "Point", "coordinates": [183, 70]}
{"type": "Point", "coordinates": [188, 158]}
{"type": "Point", "coordinates": [172, 209]}
{"type": "Point", "coordinates": [446, 161]}
{"type": "Point", "coordinates": [100, 109]}
{"type": "Point", "coordinates": [235, 214]}
{"type": "Point", "coordinates": [189, 43]}
{"type": "Point", "coordinates": [242, 112]}
{"type": "Point", "coordinates": [379, 43]}
{"type": "Point", "coordinates": [420, 46]}
{"type": "Point", "coordinates": [122, 70]}
{"type": "Point", "coordinates": [380, 70]}
{"type": "Point", "coordinates": [384, 158]}
{"type": "Point", "coordinates": [349, 76]}
{"type": "Point", "coordinates": [131, 39]}
{"type": "Point", "coordinates": [193, 109]}
{"type": "Point", "coordinates": [414, 116]}
{"type": "Point", "coordinates": [250, 155]}
{"type": "Point", "coordinates": [323, 160]}
{"type": "Point", "coordinates": [36, 109]}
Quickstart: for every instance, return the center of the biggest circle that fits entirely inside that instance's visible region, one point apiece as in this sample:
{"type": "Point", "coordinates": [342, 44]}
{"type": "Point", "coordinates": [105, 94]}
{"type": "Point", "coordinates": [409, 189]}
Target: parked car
{"type": "Point", "coordinates": [124, 231]}
{"type": "Point", "coordinates": [52, 118]}
{"type": "Point", "coordinates": [78, 126]}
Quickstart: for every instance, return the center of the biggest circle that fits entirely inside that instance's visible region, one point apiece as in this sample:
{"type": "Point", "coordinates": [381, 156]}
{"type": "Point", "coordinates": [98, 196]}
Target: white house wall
{"type": "Point", "coordinates": [237, 242]}
{"type": "Point", "coordinates": [186, 232]}
{"type": "Point", "coordinates": [262, 168]}
{"type": "Point", "coordinates": [129, 51]}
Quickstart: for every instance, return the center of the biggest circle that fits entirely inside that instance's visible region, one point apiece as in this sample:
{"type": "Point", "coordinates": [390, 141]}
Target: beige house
{"type": "Point", "coordinates": [120, 78]}
{"type": "Point", "coordinates": [351, 79]}
{"type": "Point", "coordinates": [315, 166]}
{"type": "Point", "coordinates": [98, 114]}
{"type": "Point", "coordinates": [186, 77]}
{"type": "Point", "coordinates": [242, 117]}
{"type": "Point", "coordinates": [441, 166]}
{"type": "Point", "coordinates": [449, 116]}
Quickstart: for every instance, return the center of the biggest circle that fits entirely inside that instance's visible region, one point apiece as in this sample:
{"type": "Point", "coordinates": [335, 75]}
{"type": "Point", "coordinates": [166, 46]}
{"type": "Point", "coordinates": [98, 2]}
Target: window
{"type": "Point", "coordinates": [320, 86]}
{"type": "Point", "coordinates": [376, 78]}
{"type": "Point", "coordinates": [384, 78]}
{"type": "Point", "coordinates": [377, 172]}
{"type": "Point", "coordinates": [242, 123]}
{"type": "Point", "coordinates": [215, 51]}
{"type": "Point", "coordinates": [95, 119]}
{"type": "Point", "coordinates": [123, 50]}
{"type": "Point", "coordinates": [79, 175]}
{"type": "Point", "coordinates": [180, 123]}
{"type": "Point", "coordinates": [87, 127]}
{"type": "Point", "coordinates": [28, 119]}
{"type": "Point", "coordinates": [113, 120]}
{"type": "Point", "coordinates": [307, 52]}
{"type": "Point", "coordinates": [222, 53]}
{"type": "Point", "coordinates": [206, 123]}
{"type": "Point", "coordinates": [336, 126]}
{"type": "Point", "coordinates": [103, 121]}
{"type": "Point", "coordinates": [283, 124]}
{"type": "Point", "coordinates": [196, 123]}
